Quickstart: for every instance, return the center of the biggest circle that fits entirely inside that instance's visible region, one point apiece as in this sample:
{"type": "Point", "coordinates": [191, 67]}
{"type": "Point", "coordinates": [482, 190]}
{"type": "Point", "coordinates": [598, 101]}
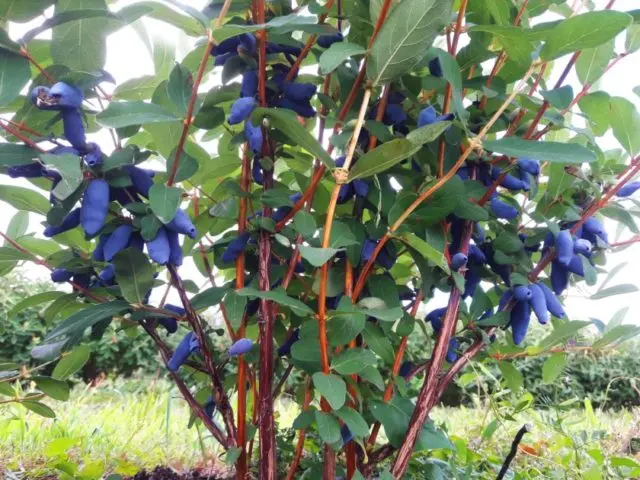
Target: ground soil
{"type": "Point", "coordinates": [166, 473]}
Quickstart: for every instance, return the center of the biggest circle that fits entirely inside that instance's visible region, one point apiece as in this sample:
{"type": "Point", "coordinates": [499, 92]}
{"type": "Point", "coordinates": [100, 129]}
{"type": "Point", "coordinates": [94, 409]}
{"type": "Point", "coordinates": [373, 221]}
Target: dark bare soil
{"type": "Point", "coordinates": [165, 473]}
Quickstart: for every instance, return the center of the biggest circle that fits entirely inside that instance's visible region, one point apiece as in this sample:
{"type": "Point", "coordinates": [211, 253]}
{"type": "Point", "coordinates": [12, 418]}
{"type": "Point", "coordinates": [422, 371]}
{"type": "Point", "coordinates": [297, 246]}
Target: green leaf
{"type": "Point", "coordinates": [134, 274]}
{"type": "Point", "coordinates": [39, 408]}
{"type": "Point", "coordinates": [592, 62]}
{"type": "Point", "coordinates": [187, 167]}
{"type": "Point", "coordinates": [168, 15]}
{"type": "Point", "coordinates": [234, 305]}
{"type": "Point", "coordinates": [304, 420]}
{"type": "Point", "coordinates": [617, 334]}
{"type": "Point", "coordinates": [71, 362]}
{"type": "Point", "coordinates": [289, 126]}
{"type": "Point", "coordinates": [596, 107]}
{"type": "Point", "coordinates": [317, 256]}
{"type": "Point", "coordinates": [378, 342]}
{"type": "Point", "coordinates": [428, 133]}
{"type": "Point", "coordinates": [336, 54]}
{"type": "Point", "coordinates": [9, 256]}
{"type": "Point", "coordinates": [14, 75]}
{"type": "Point", "coordinates": [279, 295]}
{"type": "Point", "coordinates": [372, 375]}
{"type": "Point", "coordinates": [625, 122]}
{"type": "Point", "coordinates": [124, 114]}
{"type": "Point", "coordinates": [164, 201]}
{"type": "Point", "coordinates": [180, 87]}
{"type": "Point", "coordinates": [512, 376]}
{"type": "Point", "coordinates": [616, 290]}
{"type": "Point", "coordinates": [305, 224]}
{"type": "Point", "coordinates": [22, 198]}
{"type": "Point", "coordinates": [426, 250]}
{"type": "Point", "coordinates": [18, 225]}
{"type": "Point", "coordinates": [80, 44]}
{"type": "Point", "coordinates": [354, 421]}
{"type": "Point", "coordinates": [383, 158]}
{"type": "Point", "coordinates": [21, 10]}
{"type": "Point", "coordinates": [405, 36]}
{"type": "Point", "coordinates": [208, 298]}
{"type": "Point", "coordinates": [328, 427]}
{"type": "Point", "coordinates": [553, 367]}
{"type": "Point", "coordinates": [80, 321]}
{"type": "Point", "coordinates": [56, 389]}
{"type": "Point", "coordinates": [332, 388]}
{"type": "Point", "coordinates": [119, 158]}
{"type": "Point", "coordinates": [68, 165]}
{"type": "Point", "coordinates": [563, 332]}
{"type": "Point", "coordinates": [518, 47]}
{"type": "Point", "coordinates": [353, 360]}
{"type": "Point", "coordinates": [584, 31]}
{"type": "Point", "coordinates": [12, 154]}
{"type": "Point", "coordinates": [34, 300]}
{"type": "Point", "coordinates": [559, 98]}
{"type": "Point", "coordinates": [140, 88]}
{"type": "Point", "coordinates": [632, 42]}
{"type": "Point", "coordinates": [543, 151]}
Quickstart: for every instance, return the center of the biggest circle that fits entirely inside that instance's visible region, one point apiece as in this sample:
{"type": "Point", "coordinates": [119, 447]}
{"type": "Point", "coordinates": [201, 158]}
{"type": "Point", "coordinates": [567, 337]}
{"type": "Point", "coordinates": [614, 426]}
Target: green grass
{"type": "Point", "coordinates": [129, 425]}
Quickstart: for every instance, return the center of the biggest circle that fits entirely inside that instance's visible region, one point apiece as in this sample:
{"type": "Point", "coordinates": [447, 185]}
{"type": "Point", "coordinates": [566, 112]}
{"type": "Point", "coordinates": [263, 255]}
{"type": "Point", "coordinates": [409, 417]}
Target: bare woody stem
{"type": "Point", "coordinates": [220, 395]}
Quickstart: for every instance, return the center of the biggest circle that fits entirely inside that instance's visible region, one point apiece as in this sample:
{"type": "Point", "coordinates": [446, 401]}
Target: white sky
{"type": "Point", "coordinates": [129, 58]}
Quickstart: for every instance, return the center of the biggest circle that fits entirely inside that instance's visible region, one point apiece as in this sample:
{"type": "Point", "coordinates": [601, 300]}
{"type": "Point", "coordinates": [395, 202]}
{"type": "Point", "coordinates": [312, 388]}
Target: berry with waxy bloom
{"type": "Point", "coordinates": [158, 248]}
{"type": "Point", "coordinates": [522, 293]}
{"type": "Point", "coordinates": [458, 261]}
{"type": "Point", "coordinates": [553, 304]}
{"type": "Point", "coordinates": [435, 67]}
{"type": "Point", "coordinates": [118, 241]}
{"type": "Point", "coordinates": [70, 221]}
{"type": "Point", "coordinates": [235, 247]}
{"type": "Point", "coordinates": [325, 41]}
{"type": "Point", "coordinates": [539, 303]}
{"type": "Point", "coordinates": [241, 109]}
{"type": "Point", "coordinates": [240, 347]}
{"type": "Point", "coordinates": [429, 116]}
{"type": "Point", "coordinates": [95, 206]}
{"type": "Point", "coordinates": [60, 275]}
{"type": "Point", "coordinates": [564, 247]}
{"type": "Point", "coordinates": [188, 345]}
{"type": "Point", "coordinates": [628, 190]}
{"type": "Point", "coordinates": [529, 165]}
{"type": "Point", "coordinates": [520, 317]}
{"type": "Point", "coordinates": [503, 210]}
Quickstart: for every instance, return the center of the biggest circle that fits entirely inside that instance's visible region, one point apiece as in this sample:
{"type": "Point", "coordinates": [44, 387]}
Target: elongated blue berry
{"type": "Point", "coordinates": [98, 252]}
{"type": "Point", "coordinates": [435, 67]}
{"type": "Point", "coordinates": [60, 275]}
{"type": "Point", "coordinates": [181, 223]}
{"type": "Point", "coordinates": [140, 178]}
{"type": "Point", "coordinates": [235, 247]}
{"type": "Point", "coordinates": [522, 293]}
{"type": "Point", "coordinates": [458, 261]}
{"type": "Point", "coordinates": [136, 241]}
{"type": "Point", "coordinates": [520, 317]}
{"type": "Point", "coordinates": [564, 247]}
{"type": "Point", "coordinates": [592, 225]}
{"type": "Point", "coordinates": [346, 434]}
{"type": "Point", "coordinates": [471, 281]}
{"type": "Point", "coordinates": [74, 128]}
{"type": "Point", "coordinates": [628, 190]}
{"type": "Point", "coordinates": [94, 157]}
{"type": "Point", "coordinates": [539, 303]}
{"type": "Point", "coordinates": [302, 108]}
{"type": "Point", "coordinates": [452, 356]}
{"type": "Point", "coordinates": [559, 277]}
{"type": "Point", "coordinates": [476, 255]}
{"type": "Point", "coordinates": [553, 304]}
{"type": "Point", "coordinates": [118, 241]}
{"type": "Point", "coordinates": [325, 41]}
{"type": "Point", "coordinates": [175, 250]}
{"type": "Point", "coordinates": [107, 275]}
{"type": "Point", "coordinates": [299, 92]}
{"type": "Point", "coordinates": [210, 407]}
{"type": "Point", "coordinates": [66, 96]}
{"type": "Point", "coordinates": [241, 109]}
{"type": "Point", "coordinates": [249, 86]}
{"type": "Point", "coordinates": [435, 317]}
{"type": "Point", "coordinates": [240, 347]}
{"type": "Point", "coordinates": [70, 221]}
{"type": "Point", "coordinates": [159, 248]}
{"type": "Point", "coordinates": [285, 348]}
{"type": "Point", "coordinates": [188, 345]}
{"type": "Point", "coordinates": [95, 206]}
{"type": "Point", "coordinates": [509, 181]}
{"type": "Point", "coordinates": [170, 324]}
{"type": "Point", "coordinates": [505, 299]}
{"type": "Point", "coordinates": [503, 210]}
{"type": "Point", "coordinates": [253, 135]}
{"type": "Point", "coordinates": [406, 368]}
{"type": "Point", "coordinates": [29, 170]}
{"type": "Point", "coordinates": [576, 266]}
{"type": "Point", "coordinates": [529, 165]}
{"type": "Point", "coordinates": [582, 246]}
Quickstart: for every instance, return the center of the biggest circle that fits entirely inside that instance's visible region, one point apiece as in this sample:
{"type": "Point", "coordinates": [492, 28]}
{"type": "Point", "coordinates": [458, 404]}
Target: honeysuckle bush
{"type": "Point", "coordinates": [353, 165]}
